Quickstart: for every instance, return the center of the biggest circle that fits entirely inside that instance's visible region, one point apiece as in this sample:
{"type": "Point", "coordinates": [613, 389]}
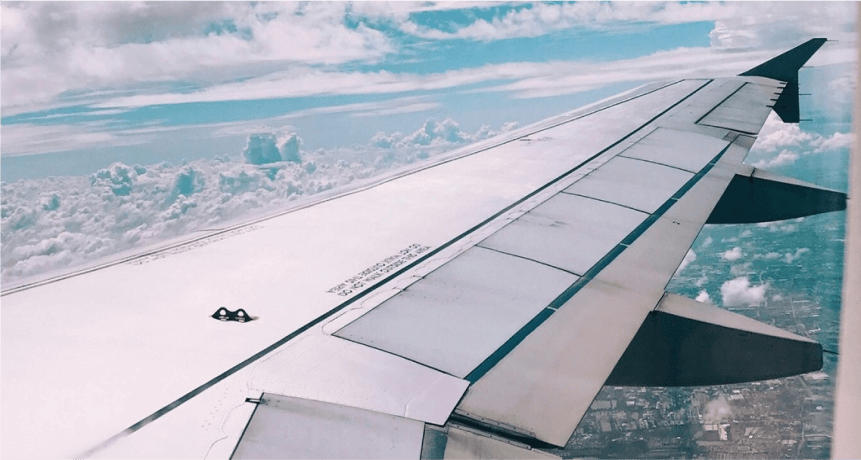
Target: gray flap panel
{"type": "Point", "coordinates": [452, 441]}
{"type": "Point", "coordinates": [568, 231]}
{"type": "Point", "coordinates": [284, 427]}
{"type": "Point", "coordinates": [679, 149]}
{"type": "Point", "coordinates": [637, 184]}
{"type": "Point", "coordinates": [458, 315]}
{"type": "Point", "coordinates": [743, 111]}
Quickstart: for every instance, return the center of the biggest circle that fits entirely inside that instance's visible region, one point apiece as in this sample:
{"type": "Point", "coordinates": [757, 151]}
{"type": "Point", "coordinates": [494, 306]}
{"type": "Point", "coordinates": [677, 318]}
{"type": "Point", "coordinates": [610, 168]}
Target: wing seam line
{"type": "Point", "coordinates": [719, 104]}
{"type": "Point", "coordinates": [527, 258]}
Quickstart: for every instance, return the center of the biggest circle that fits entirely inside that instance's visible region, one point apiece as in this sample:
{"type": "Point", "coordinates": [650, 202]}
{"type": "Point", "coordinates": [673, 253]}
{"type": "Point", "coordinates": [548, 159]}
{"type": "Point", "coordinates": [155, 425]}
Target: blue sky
{"type": "Point", "coordinates": [124, 124]}
{"type": "Point", "coordinates": [165, 81]}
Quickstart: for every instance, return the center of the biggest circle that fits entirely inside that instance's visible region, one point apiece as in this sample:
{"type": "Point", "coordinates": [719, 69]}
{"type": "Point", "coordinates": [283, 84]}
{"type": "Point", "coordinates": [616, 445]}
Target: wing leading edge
{"type": "Point", "coordinates": [540, 278]}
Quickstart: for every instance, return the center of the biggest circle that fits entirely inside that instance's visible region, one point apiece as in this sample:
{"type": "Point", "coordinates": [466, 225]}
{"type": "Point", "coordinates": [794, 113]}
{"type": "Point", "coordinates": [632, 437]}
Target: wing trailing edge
{"type": "Point", "coordinates": [289, 427]}
{"type": "Point", "coordinates": [688, 343]}
{"type": "Point", "coordinates": [785, 68]}
{"type": "Point", "coordinates": [759, 196]}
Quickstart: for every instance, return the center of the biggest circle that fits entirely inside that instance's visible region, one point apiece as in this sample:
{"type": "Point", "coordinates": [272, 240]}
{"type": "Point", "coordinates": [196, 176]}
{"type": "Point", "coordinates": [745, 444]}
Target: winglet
{"type": "Point", "coordinates": [785, 68]}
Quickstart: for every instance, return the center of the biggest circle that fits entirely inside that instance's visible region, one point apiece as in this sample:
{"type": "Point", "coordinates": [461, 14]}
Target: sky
{"type": "Point", "coordinates": [127, 123]}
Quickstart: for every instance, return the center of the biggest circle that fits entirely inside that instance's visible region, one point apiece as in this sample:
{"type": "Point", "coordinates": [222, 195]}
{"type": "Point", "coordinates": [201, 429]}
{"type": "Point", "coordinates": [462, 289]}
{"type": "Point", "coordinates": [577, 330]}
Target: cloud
{"type": "Point", "coordinates": [53, 54]}
{"type": "Point", "coordinates": [732, 254]}
{"type": "Point", "coordinates": [52, 49]}
{"type": "Point", "coordinates": [541, 19]}
{"type": "Point", "coordinates": [267, 148]}
{"type": "Point", "coordinates": [741, 269]}
{"type": "Point", "coordinates": [717, 410]}
{"type": "Point", "coordinates": [739, 292]}
{"type": "Point", "coordinates": [782, 159]}
{"type": "Point", "coordinates": [690, 256]}
{"type": "Point", "coordinates": [790, 257]}
{"type": "Point", "coordinates": [522, 79]}
{"type": "Point", "coordinates": [261, 149]}
{"type": "Point", "coordinates": [525, 80]}
{"type": "Point", "coordinates": [27, 138]}
{"type": "Point", "coordinates": [136, 54]}
{"type": "Point", "coordinates": [58, 222]}
{"type": "Point", "coordinates": [707, 242]}
{"type": "Point", "coordinates": [792, 142]}
{"type": "Point", "coordinates": [737, 25]}
{"type": "Point", "coordinates": [776, 134]}
{"type": "Point", "coordinates": [774, 227]}
{"type": "Point", "coordinates": [436, 134]}
{"type": "Point", "coordinates": [836, 141]}
{"type": "Point", "coordinates": [408, 108]}
{"type": "Point", "coordinates": [703, 297]}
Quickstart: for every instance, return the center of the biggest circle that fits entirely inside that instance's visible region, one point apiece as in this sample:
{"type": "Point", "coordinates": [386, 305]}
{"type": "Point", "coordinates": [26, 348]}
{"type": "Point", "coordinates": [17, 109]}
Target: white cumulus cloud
{"type": "Point", "coordinates": [792, 142]}
{"type": "Point", "coordinates": [739, 292]}
{"type": "Point", "coordinates": [835, 141]}
{"type": "Point", "coordinates": [690, 256]}
{"type": "Point", "coordinates": [703, 297]}
{"type": "Point", "coordinates": [59, 222]}
{"type": "Point", "coordinates": [732, 254]}
{"type": "Point", "coordinates": [784, 158]}
{"type": "Point", "coordinates": [717, 410]}
{"type": "Point", "coordinates": [741, 269]}
{"type": "Point", "coordinates": [790, 257]}
{"type": "Point", "coordinates": [776, 134]}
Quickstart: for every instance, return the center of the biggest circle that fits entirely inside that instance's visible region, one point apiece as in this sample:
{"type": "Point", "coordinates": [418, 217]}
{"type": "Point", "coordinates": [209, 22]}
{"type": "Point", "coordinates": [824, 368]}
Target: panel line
{"type": "Point", "coordinates": [527, 258]}
{"type": "Point", "coordinates": [657, 163]}
{"type": "Point", "coordinates": [719, 104]}
{"type": "Point", "coordinates": [603, 201]}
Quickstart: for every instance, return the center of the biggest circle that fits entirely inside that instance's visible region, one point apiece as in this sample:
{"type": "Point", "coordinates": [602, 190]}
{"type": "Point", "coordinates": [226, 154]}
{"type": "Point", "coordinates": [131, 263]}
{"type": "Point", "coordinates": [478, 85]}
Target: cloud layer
{"type": "Point", "coordinates": [792, 143]}
{"type": "Point", "coordinates": [59, 222]}
{"type": "Point", "coordinates": [96, 53]}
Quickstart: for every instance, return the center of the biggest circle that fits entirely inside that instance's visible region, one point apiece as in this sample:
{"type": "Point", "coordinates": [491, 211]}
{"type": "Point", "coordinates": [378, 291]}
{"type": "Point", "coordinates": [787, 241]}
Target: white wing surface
{"type": "Point", "coordinates": [469, 307]}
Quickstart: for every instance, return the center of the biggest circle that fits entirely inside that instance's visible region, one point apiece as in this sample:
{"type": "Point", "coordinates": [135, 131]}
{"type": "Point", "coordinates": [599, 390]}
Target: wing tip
{"type": "Point", "coordinates": [785, 68]}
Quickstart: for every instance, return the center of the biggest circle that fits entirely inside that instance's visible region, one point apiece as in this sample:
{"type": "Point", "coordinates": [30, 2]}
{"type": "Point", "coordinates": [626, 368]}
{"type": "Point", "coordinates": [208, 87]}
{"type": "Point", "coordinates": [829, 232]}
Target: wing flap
{"type": "Point", "coordinates": [284, 427]}
{"type": "Point", "coordinates": [453, 441]}
{"type": "Point", "coordinates": [463, 311]}
{"type": "Point", "coordinates": [755, 196]}
{"type": "Point", "coordinates": [633, 183]}
{"type": "Point", "coordinates": [318, 366]}
{"type": "Point", "coordinates": [545, 384]}
{"type": "Point", "coordinates": [567, 231]}
{"type": "Point", "coordinates": [679, 149]}
{"type": "Point", "coordinates": [743, 111]}
{"type": "Point", "coordinates": [685, 343]}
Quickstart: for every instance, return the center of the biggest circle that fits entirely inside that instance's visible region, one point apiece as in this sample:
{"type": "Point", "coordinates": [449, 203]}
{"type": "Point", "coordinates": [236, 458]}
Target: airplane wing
{"type": "Point", "coordinates": [471, 307]}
